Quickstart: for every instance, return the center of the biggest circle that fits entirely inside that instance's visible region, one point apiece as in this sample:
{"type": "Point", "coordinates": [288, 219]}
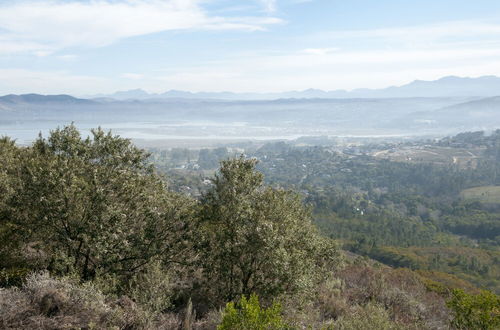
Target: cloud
{"type": "Point", "coordinates": [53, 25]}
{"type": "Point", "coordinates": [269, 5]}
{"type": "Point", "coordinates": [421, 35]}
{"type": "Point", "coordinates": [356, 58]}
{"type": "Point", "coordinates": [333, 60]}
{"type": "Point", "coordinates": [67, 57]}
{"type": "Point", "coordinates": [49, 82]}
{"type": "Point", "coordinates": [134, 76]}
{"type": "Point", "coordinates": [319, 51]}
{"type": "Point", "coordinates": [348, 70]}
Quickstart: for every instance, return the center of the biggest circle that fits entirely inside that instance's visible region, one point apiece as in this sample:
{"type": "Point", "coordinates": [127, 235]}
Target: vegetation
{"type": "Point", "coordinates": [486, 194]}
{"type": "Point", "coordinates": [248, 315]}
{"type": "Point", "coordinates": [256, 239]}
{"type": "Point", "coordinates": [93, 237]}
{"type": "Point", "coordinates": [481, 311]}
{"type": "Point", "coordinates": [93, 206]}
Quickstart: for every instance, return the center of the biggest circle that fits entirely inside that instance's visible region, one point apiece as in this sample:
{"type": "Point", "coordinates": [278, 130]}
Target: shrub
{"type": "Point", "coordinates": [371, 316]}
{"type": "Point", "coordinates": [13, 276]}
{"type": "Point", "coordinates": [152, 289]}
{"type": "Point", "coordinates": [481, 311]}
{"type": "Point", "coordinates": [247, 314]}
{"type": "Point", "coordinates": [44, 302]}
{"type": "Point", "coordinates": [400, 291]}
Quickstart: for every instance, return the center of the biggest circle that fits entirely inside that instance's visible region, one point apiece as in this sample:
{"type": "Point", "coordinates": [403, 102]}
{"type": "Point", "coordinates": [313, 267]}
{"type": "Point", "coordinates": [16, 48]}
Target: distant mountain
{"type": "Point", "coordinates": [41, 99]}
{"type": "Point", "coordinates": [448, 86]}
{"type": "Point", "coordinates": [472, 115]}
{"type": "Point", "coordinates": [136, 94]}
{"type": "Point", "coordinates": [23, 116]}
{"type": "Point", "coordinates": [451, 86]}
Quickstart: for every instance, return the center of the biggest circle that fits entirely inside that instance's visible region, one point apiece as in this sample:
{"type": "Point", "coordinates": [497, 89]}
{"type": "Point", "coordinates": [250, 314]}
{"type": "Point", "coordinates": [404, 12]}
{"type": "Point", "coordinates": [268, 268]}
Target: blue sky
{"type": "Point", "coordinates": [100, 46]}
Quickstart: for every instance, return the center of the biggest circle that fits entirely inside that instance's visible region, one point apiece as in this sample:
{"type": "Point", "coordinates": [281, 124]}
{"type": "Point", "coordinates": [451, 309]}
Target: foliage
{"type": "Point", "coordinates": [124, 251]}
{"type": "Point", "coordinates": [95, 205]}
{"type": "Point", "coordinates": [480, 311]}
{"type": "Point", "coordinates": [247, 314]}
{"type": "Point", "coordinates": [44, 302]}
{"type": "Point", "coordinates": [400, 291]}
{"type": "Point", "coordinates": [13, 276]}
{"type": "Point", "coordinates": [258, 239]}
{"type": "Point", "coordinates": [466, 266]}
{"type": "Point", "coordinates": [373, 315]}
{"type": "Point", "coordinates": [152, 288]}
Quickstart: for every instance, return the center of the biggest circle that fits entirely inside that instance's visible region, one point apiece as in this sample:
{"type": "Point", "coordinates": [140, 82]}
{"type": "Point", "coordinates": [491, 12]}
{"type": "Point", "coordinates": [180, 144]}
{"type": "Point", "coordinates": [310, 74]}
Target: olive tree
{"type": "Point", "coordinates": [256, 239]}
{"type": "Point", "coordinates": [95, 205]}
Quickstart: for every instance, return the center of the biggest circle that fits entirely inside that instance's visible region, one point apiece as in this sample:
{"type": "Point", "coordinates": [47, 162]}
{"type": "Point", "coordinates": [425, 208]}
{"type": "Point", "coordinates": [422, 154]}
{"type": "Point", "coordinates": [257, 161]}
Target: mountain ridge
{"type": "Point", "coordinates": [448, 86]}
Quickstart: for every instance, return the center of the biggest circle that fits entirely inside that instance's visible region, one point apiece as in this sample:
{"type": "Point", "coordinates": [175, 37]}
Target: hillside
{"type": "Point", "coordinates": [94, 238]}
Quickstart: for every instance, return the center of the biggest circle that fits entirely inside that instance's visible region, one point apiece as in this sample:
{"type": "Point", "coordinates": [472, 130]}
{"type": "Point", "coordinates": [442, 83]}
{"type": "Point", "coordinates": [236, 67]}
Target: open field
{"type": "Point", "coordinates": [465, 158]}
{"type": "Point", "coordinates": [485, 194]}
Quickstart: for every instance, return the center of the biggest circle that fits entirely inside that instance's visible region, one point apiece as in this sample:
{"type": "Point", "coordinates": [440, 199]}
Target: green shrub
{"type": "Point", "coordinates": [481, 311]}
{"type": "Point", "coordinates": [13, 276]}
{"type": "Point", "coordinates": [371, 316]}
{"type": "Point", "coordinates": [152, 288]}
{"type": "Point", "coordinates": [248, 314]}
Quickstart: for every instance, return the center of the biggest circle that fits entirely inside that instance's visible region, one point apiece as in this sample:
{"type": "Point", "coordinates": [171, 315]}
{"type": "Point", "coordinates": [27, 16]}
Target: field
{"type": "Point", "coordinates": [485, 194]}
{"type": "Point", "coordinates": [465, 158]}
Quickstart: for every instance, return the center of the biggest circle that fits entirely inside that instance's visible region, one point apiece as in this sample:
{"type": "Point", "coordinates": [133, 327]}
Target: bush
{"type": "Point", "coordinates": [152, 289]}
{"type": "Point", "coordinates": [248, 315]}
{"type": "Point", "coordinates": [13, 276]}
{"type": "Point", "coordinates": [400, 291]}
{"type": "Point", "coordinates": [44, 302]}
{"type": "Point", "coordinates": [370, 316]}
{"type": "Point", "coordinates": [481, 311]}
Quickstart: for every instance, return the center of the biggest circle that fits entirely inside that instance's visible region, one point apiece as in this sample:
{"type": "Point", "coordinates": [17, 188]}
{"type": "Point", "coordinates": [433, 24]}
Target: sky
{"type": "Point", "coordinates": [88, 47]}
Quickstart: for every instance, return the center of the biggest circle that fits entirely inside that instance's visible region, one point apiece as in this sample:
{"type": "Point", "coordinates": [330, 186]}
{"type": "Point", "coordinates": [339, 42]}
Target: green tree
{"type": "Point", "coordinates": [9, 160]}
{"type": "Point", "coordinates": [256, 239]}
{"type": "Point", "coordinates": [95, 205]}
{"type": "Point", "coordinates": [481, 311]}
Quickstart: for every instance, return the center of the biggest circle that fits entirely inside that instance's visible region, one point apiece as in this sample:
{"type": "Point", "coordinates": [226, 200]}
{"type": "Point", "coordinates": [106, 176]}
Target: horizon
{"type": "Point", "coordinates": [81, 47]}
{"type": "Point", "coordinates": [139, 89]}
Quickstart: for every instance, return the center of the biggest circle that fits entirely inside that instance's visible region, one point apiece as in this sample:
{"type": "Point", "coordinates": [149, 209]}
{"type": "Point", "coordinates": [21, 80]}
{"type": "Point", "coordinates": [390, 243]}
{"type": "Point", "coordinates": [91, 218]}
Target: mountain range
{"type": "Point", "coordinates": [450, 86]}
{"type": "Point", "coordinates": [445, 106]}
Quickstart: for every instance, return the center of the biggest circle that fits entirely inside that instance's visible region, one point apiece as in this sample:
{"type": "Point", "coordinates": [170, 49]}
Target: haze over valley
{"type": "Point", "coordinates": [419, 109]}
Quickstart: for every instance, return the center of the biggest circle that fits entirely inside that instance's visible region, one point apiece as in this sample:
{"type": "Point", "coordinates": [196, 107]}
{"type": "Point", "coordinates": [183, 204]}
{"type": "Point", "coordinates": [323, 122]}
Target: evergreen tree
{"type": "Point", "coordinates": [256, 239]}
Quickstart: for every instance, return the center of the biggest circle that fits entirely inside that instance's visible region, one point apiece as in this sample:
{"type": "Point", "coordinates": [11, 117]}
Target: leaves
{"type": "Point", "coordinates": [481, 311]}
{"type": "Point", "coordinates": [247, 314]}
{"type": "Point", "coordinates": [96, 203]}
{"type": "Point", "coordinates": [258, 239]}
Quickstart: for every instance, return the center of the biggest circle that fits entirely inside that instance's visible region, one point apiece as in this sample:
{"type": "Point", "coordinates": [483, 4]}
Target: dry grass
{"type": "Point", "coordinates": [44, 302]}
{"type": "Point", "coordinates": [390, 298]}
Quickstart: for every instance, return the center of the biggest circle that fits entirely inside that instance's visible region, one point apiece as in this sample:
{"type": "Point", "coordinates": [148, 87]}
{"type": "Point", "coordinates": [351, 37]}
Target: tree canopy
{"type": "Point", "coordinates": [94, 205]}
{"type": "Point", "coordinates": [257, 239]}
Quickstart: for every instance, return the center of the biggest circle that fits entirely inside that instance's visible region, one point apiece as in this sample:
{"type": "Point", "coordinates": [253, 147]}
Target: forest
{"type": "Point", "coordinates": [99, 234]}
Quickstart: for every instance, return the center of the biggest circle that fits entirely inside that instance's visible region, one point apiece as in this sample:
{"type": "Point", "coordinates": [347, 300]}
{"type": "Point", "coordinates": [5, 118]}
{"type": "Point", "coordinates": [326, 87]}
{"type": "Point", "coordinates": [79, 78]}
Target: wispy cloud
{"type": "Point", "coordinates": [269, 5]}
{"type": "Point", "coordinates": [49, 82]}
{"type": "Point", "coordinates": [420, 35]}
{"type": "Point", "coordinates": [357, 58]}
{"type": "Point", "coordinates": [319, 51]}
{"type": "Point", "coordinates": [53, 25]}
{"type": "Point", "coordinates": [134, 76]}
{"type": "Point", "coordinates": [334, 60]}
